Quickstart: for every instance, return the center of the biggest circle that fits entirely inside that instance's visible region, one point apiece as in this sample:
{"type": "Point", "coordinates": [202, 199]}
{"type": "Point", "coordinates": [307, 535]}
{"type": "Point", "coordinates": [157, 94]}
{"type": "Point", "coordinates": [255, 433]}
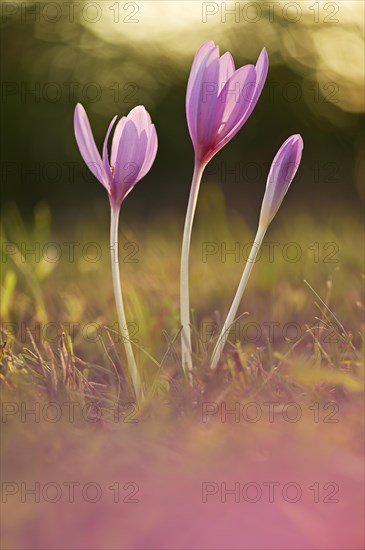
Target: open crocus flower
{"type": "Point", "coordinates": [282, 171]}
{"type": "Point", "coordinates": [133, 150]}
{"type": "Point", "coordinates": [219, 98]}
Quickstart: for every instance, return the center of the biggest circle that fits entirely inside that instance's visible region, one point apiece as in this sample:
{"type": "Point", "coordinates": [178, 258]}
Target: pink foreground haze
{"type": "Point", "coordinates": [133, 150]}
{"type": "Point", "coordinates": [219, 98]}
{"type": "Point", "coordinates": [219, 486]}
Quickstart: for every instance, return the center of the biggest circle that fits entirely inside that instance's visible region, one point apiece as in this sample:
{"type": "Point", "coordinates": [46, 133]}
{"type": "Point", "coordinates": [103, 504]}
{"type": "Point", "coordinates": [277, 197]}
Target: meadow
{"type": "Point", "coordinates": [304, 299]}
{"type": "Point", "coordinates": [114, 444]}
{"type": "Point", "coordinates": [284, 406]}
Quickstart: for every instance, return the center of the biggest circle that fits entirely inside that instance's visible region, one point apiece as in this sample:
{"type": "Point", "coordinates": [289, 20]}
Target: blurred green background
{"type": "Point", "coordinates": [111, 56]}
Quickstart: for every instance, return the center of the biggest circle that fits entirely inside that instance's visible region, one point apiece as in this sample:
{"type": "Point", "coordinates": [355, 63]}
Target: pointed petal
{"type": "Point", "coordinates": [116, 139]}
{"type": "Point", "coordinates": [282, 172]}
{"type": "Point", "coordinates": [151, 152]}
{"type": "Point", "coordinates": [208, 100]}
{"type": "Point", "coordinates": [262, 67]}
{"type": "Point", "coordinates": [106, 155]}
{"type": "Point", "coordinates": [142, 120]}
{"type": "Point", "coordinates": [140, 117]}
{"type": "Point", "coordinates": [232, 120]}
{"type": "Point", "coordinates": [226, 69]}
{"type": "Point", "coordinates": [130, 158]}
{"type": "Point", "coordinates": [193, 94]}
{"type": "Point", "coordinates": [87, 147]}
{"type": "Point", "coordinates": [199, 56]}
{"type": "Point", "coordinates": [234, 103]}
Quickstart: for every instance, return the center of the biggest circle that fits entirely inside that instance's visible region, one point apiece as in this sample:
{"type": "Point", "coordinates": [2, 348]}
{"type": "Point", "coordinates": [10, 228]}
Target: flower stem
{"type": "Point", "coordinates": [184, 273]}
{"type": "Point", "coordinates": [238, 297]}
{"type": "Point", "coordinates": [132, 367]}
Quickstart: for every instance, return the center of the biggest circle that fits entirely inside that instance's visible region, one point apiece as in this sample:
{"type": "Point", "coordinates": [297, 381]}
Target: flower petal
{"type": "Point", "coordinates": [235, 113]}
{"type": "Point", "coordinates": [261, 69]}
{"type": "Point", "coordinates": [140, 117]}
{"type": "Point", "coordinates": [116, 139]}
{"type": "Point", "coordinates": [151, 152]}
{"type": "Point", "coordinates": [196, 65]}
{"type": "Point", "coordinates": [226, 69]}
{"type": "Point", "coordinates": [106, 155]}
{"type": "Point", "coordinates": [142, 120]}
{"type": "Point", "coordinates": [86, 143]}
{"type": "Point", "coordinates": [193, 94]}
{"type": "Point", "coordinates": [282, 172]}
{"type": "Point", "coordinates": [209, 90]}
{"type": "Point", "coordinates": [130, 158]}
{"type": "Point", "coordinates": [234, 103]}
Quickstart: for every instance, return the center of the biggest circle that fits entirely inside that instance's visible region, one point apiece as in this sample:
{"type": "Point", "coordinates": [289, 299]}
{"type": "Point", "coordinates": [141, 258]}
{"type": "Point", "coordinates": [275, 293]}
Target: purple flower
{"type": "Point", "coordinates": [219, 98]}
{"type": "Point", "coordinates": [133, 150]}
{"type": "Point", "coordinates": [282, 172]}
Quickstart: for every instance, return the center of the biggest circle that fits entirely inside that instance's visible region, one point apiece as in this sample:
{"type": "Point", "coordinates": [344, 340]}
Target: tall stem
{"type": "Point", "coordinates": [238, 297]}
{"type": "Point", "coordinates": [132, 367]}
{"type": "Point", "coordinates": [184, 273]}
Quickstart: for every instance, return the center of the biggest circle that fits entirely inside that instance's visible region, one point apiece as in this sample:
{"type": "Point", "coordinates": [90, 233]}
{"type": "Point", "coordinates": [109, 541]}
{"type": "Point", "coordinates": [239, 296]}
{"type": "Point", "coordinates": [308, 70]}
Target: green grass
{"type": "Point", "coordinates": [165, 446]}
{"type": "Point", "coordinates": [59, 322]}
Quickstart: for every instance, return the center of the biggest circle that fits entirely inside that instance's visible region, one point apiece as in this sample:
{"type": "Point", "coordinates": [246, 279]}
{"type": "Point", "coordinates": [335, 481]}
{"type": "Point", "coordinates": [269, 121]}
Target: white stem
{"type": "Point", "coordinates": [238, 297]}
{"type": "Point", "coordinates": [184, 273]}
{"type": "Point", "coordinates": [132, 367]}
